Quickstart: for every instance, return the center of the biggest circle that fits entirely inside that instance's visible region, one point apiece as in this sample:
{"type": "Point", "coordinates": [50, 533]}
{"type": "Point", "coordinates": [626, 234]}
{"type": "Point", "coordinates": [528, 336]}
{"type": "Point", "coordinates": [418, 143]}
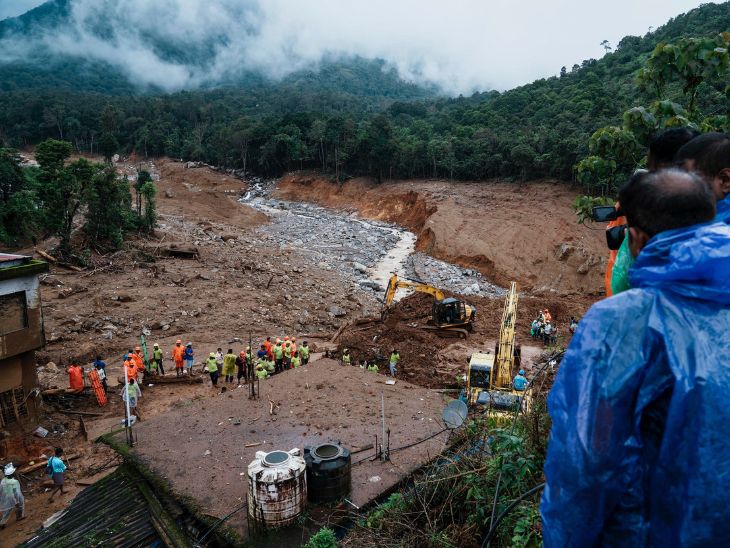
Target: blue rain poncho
{"type": "Point", "coordinates": [723, 210]}
{"type": "Point", "coordinates": [639, 452]}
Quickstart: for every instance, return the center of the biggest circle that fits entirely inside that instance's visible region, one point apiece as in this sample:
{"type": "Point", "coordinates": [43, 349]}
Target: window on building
{"type": "Point", "coordinates": [13, 312]}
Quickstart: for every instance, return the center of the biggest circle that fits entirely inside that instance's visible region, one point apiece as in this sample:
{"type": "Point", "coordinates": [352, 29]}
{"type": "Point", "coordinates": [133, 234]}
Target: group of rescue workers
{"type": "Point", "coordinates": [372, 365]}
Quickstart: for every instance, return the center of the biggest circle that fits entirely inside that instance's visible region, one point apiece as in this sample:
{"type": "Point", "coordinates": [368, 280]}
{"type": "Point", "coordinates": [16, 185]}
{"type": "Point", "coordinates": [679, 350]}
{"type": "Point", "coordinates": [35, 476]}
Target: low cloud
{"type": "Point", "coordinates": [460, 45]}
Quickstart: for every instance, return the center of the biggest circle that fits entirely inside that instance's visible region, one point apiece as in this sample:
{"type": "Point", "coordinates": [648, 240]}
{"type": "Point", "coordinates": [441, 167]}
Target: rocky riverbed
{"type": "Point", "coordinates": [364, 250]}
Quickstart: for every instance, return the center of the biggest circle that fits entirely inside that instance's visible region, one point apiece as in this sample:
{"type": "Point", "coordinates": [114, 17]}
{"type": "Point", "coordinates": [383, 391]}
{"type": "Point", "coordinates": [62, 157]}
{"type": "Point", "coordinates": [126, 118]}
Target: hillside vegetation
{"type": "Point", "coordinates": [351, 117]}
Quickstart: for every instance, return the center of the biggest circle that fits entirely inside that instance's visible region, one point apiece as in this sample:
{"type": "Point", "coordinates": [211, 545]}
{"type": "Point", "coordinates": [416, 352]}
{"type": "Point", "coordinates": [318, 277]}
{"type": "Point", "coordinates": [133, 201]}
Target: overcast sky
{"type": "Point", "coordinates": [461, 45]}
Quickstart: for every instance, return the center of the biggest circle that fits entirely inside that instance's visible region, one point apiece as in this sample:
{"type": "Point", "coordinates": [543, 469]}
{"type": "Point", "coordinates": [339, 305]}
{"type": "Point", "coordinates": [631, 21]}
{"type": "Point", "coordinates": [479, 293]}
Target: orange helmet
{"type": "Point", "coordinates": [241, 353]}
{"type": "Point", "coordinates": [278, 340]}
{"type": "Point", "coordinates": [286, 338]}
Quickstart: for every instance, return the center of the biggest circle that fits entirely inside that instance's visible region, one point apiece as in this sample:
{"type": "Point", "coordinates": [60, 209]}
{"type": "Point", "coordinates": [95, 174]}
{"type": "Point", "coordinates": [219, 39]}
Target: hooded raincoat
{"type": "Point", "coordinates": [638, 454]}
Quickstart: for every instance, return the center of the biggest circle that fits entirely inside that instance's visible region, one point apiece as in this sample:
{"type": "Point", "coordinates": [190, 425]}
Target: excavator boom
{"type": "Point", "coordinates": [501, 376]}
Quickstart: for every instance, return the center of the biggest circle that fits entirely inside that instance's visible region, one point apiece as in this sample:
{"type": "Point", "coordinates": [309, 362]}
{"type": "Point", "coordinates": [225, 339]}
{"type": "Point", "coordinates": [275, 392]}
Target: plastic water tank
{"type": "Point", "coordinates": [277, 487]}
{"type": "Point", "coordinates": [328, 472]}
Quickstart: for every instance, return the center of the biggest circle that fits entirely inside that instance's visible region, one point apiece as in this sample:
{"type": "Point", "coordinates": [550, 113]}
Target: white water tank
{"type": "Point", "coordinates": [277, 487]}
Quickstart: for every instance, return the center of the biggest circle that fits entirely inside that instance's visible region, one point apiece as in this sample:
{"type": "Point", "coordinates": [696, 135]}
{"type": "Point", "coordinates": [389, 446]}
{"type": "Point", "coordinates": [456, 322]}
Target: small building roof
{"type": "Point", "coordinates": [8, 260]}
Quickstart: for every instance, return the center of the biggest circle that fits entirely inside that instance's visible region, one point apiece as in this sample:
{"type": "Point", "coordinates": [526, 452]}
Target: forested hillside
{"type": "Point", "coordinates": [352, 116]}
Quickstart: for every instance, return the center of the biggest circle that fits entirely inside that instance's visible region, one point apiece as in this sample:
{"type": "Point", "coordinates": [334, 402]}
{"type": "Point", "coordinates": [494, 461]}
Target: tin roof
{"type": "Point", "coordinates": [112, 512]}
{"type": "Point", "coordinates": [7, 260]}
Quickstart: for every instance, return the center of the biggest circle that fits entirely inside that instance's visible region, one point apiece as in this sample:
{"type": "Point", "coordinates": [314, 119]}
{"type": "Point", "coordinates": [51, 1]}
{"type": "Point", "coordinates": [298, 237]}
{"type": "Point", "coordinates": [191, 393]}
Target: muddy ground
{"type": "Point", "coordinates": [248, 281]}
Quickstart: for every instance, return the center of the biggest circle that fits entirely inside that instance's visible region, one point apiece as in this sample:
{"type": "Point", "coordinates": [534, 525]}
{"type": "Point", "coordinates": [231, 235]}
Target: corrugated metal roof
{"type": "Point", "coordinates": [112, 512]}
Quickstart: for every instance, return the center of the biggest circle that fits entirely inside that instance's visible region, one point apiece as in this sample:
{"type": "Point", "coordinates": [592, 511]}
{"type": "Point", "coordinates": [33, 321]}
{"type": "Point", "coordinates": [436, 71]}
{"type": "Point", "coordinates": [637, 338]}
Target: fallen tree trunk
{"type": "Point", "coordinates": [39, 465]}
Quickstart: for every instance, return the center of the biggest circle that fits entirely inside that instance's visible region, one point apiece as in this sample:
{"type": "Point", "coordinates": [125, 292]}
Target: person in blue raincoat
{"type": "Point", "coordinates": [638, 453]}
{"type": "Point", "coordinates": [709, 156]}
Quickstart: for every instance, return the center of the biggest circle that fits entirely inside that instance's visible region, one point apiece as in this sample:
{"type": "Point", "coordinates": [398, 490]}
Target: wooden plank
{"type": "Point", "coordinates": [86, 413]}
{"type": "Point", "coordinates": [42, 464]}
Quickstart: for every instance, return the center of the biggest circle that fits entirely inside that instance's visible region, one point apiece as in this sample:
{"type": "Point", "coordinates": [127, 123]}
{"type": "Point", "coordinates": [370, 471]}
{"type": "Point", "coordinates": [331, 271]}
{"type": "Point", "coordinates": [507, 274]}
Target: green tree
{"type": "Point", "coordinates": [109, 209]}
{"type": "Point", "coordinates": [523, 155]}
{"type": "Point", "coordinates": [108, 146]}
{"type": "Point", "coordinates": [149, 220]}
{"type": "Point", "coordinates": [143, 177]}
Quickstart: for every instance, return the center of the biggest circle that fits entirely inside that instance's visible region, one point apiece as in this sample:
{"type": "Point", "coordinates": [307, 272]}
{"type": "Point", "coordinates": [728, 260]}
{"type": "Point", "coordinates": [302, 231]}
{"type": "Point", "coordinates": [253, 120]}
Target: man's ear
{"type": "Point", "coordinates": [637, 240]}
{"type": "Point", "coordinates": [724, 178]}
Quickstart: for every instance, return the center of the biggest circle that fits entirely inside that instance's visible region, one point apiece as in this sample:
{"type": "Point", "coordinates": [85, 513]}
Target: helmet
{"type": "Point", "coordinates": [288, 343]}
{"type": "Point", "coordinates": [248, 348]}
{"type": "Point", "coordinates": [286, 338]}
{"type": "Point", "coordinates": [278, 340]}
{"type": "Point", "coordinates": [9, 469]}
{"type": "Point", "coordinates": [212, 354]}
{"type": "Point", "coordinates": [189, 344]}
{"type": "Point", "coordinates": [522, 371]}
{"type": "Point", "coordinates": [241, 353]}
{"type": "Point", "coordinates": [346, 350]}
{"type": "Point", "coordinates": [178, 341]}
{"type": "Point", "coordinates": [156, 345]}
{"type": "Point", "coordinates": [293, 339]}
{"type": "Point", "coordinates": [259, 367]}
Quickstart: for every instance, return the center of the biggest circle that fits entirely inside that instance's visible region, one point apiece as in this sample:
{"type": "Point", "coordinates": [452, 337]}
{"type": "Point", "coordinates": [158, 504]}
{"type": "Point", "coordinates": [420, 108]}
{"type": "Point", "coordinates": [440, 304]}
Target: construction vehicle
{"type": "Point", "coordinates": [449, 317]}
{"type": "Point", "coordinates": [489, 376]}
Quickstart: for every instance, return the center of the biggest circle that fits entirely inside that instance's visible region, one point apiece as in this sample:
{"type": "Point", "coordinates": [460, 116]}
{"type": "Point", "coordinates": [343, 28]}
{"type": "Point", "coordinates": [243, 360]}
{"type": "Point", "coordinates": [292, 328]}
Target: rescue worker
{"type": "Point", "coordinates": [373, 367]}
{"type": "Point", "coordinates": [260, 372]}
{"type": "Point", "coordinates": [548, 332]}
{"type": "Point", "coordinates": [11, 497]}
{"type": "Point", "coordinates": [189, 358]}
{"type": "Point", "coordinates": [241, 367]}
{"type": "Point", "coordinates": [269, 366]}
{"type": "Point", "coordinates": [178, 353]}
{"type": "Point", "coordinates": [278, 356]}
{"type": "Point", "coordinates": [520, 382]}
{"type": "Point", "coordinates": [304, 353]}
{"type": "Point", "coordinates": [269, 348]}
{"type": "Point", "coordinates": [219, 360]}
{"type": "Point", "coordinates": [294, 347]}
{"type": "Point", "coordinates": [157, 358]}
{"type": "Point", "coordinates": [573, 324]}
{"type": "Point", "coordinates": [287, 354]}
{"type": "Point", "coordinates": [346, 359]}
{"type": "Point", "coordinates": [261, 352]}
{"type": "Point", "coordinates": [211, 365]}
{"type": "Point", "coordinates": [229, 365]}
{"type": "Point", "coordinates": [393, 362]}
{"type": "Point", "coordinates": [132, 392]}
{"type": "Point", "coordinates": [295, 361]}
{"type": "Point", "coordinates": [548, 317]}
{"type": "Point", "coordinates": [75, 377]}
{"type": "Point", "coordinates": [138, 359]}
{"type": "Point", "coordinates": [130, 369]}
{"type": "Point", "coordinates": [102, 375]}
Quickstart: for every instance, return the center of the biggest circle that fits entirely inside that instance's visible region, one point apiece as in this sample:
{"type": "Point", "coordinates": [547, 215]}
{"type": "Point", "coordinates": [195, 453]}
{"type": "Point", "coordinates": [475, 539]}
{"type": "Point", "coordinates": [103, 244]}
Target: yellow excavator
{"type": "Point", "coordinates": [489, 376]}
{"type": "Point", "coordinates": [449, 317]}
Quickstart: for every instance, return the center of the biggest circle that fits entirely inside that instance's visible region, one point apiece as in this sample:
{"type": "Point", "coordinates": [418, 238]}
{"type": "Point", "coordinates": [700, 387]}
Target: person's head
{"type": "Point", "coordinates": [305, 343]}
{"type": "Point", "coordinates": [268, 339]}
{"type": "Point", "coordinates": [156, 345]}
{"type": "Point", "coordinates": [242, 353]}
{"type": "Point", "coordinates": [293, 339]}
{"type": "Point", "coordinates": [230, 350]}
{"type": "Point", "coordinates": [296, 354]}
{"type": "Point", "coordinates": [709, 155]}
{"type": "Point", "coordinates": [131, 381]}
{"type": "Point", "coordinates": [59, 451]}
{"type": "Point", "coordinates": [9, 470]}
{"type": "Point", "coordinates": [263, 347]}
{"type": "Point", "coordinates": [212, 355]}
{"type": "Point", "coordinates": [97, 365]}
{"type": "Point", "coordinates": [522, 372]}
{"type": "Point", "coordinates": [189, 345]}
{"type": "Point", "coordinates": [248, 349]}
{"type": "Point", "coordinates": [178, 342]}
{"type": "Point", "coordinates": [664, 146]}
{"type": "Point", "coordinates": [219, 349]}
{"type": "Point", "coordinates": [286, 338]}
{"type": "Point", "coordinates": [664, 200]}
{"type": "Point", "coordinates": [287, 344]}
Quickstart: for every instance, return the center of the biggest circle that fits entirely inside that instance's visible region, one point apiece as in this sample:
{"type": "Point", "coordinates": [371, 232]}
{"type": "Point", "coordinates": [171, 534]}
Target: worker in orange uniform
{"type": "Point", "coordinates": [76, 377]}
{"type": "Point", "coordinates": [293, 345]}
{"type": "Point", "coordinates": [548, 317]}
{"type": "Point", "coordinates": [138, 359]}
{"type": "Point", "coordinates": [130, 367]}
{"type": "Point", "coordinates": [269, 348]}
{"type": "Point", "coordinates": [178, 352]}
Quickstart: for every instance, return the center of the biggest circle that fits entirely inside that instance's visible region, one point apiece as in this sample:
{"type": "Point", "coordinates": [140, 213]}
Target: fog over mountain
{"type": "Point", "coordinates": [460, 45]}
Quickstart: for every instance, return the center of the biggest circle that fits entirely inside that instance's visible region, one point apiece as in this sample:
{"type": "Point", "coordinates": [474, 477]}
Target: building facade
{"type": "Point", "coordinates": [21, 334]}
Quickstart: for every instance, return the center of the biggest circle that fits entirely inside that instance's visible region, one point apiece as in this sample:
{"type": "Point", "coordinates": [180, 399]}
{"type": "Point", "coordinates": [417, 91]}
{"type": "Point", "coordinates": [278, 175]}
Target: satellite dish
{"type": "Point", "coordinates": [454, 414]}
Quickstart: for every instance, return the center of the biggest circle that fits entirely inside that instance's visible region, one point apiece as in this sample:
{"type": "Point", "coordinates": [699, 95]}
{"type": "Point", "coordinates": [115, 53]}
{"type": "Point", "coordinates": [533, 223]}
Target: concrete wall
{"type": "Point", "coordinates": [32, 337]}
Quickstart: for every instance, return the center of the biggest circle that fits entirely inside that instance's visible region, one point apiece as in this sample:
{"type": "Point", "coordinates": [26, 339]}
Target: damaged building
{"type": "Point", "coordinates": [21, 334]}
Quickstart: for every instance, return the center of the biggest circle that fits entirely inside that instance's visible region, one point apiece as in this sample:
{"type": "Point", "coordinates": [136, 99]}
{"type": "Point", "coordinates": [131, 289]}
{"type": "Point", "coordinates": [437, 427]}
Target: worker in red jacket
{"type": "Point", "coordinates": [76, 377]}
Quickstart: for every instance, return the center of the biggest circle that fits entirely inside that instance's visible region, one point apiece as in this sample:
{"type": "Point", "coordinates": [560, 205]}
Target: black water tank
{"type": "Point", "coordinates": [328, 472]}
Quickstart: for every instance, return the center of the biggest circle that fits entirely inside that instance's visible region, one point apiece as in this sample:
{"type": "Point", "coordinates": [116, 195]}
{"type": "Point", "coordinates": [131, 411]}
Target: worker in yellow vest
{"type": "Point", "coordinates": [304, 353]}
{"type": "Point", "coordinates": [346, 359]}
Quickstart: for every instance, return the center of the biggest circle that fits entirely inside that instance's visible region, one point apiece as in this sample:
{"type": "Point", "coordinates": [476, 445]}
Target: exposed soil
{"type": "Point", "coordinates": [507, 231]}
{"type": "Point", "coordinates": [201, 450]}
{"type": "Point", "coordinates": [245, 282]}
